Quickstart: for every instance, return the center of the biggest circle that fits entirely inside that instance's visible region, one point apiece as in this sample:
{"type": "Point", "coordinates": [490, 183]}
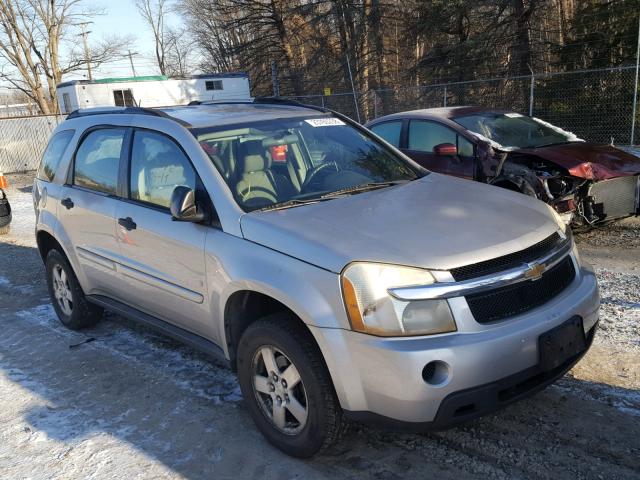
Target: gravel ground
{"type": "Point", "coordinates": [119, 401]}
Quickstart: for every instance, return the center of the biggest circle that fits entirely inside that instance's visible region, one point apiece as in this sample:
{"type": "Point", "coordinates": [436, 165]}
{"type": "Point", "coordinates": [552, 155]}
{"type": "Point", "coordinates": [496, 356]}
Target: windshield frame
{"type": "Point", "coordinates": [397, 155]}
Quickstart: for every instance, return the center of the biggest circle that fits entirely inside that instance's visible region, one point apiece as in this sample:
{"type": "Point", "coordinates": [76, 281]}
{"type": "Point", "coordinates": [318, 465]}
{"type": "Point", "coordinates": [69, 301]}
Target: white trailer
{"type": "Point", "coordinates": [152, 91]}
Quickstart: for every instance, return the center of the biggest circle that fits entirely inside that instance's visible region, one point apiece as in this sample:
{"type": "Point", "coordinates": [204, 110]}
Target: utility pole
{"type": "Point", "coordinates": [87, 54]}
{"type": "Point", "coordinates": [131, 54]}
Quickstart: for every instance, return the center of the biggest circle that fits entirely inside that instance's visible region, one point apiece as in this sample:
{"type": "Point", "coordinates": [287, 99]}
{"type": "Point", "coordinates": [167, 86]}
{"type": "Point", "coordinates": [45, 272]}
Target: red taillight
{"type": "Point", "coordinates": [3, 181]}
{"type": "Point", "coordinates": [279, 153]}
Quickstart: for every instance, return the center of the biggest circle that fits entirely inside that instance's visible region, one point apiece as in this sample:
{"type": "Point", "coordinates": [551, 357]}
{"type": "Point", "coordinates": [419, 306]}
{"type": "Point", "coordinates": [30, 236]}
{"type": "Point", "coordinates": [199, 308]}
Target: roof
{"type": "Point", "coordinates": [442, 112]}
{"type": "Point", "coordinates": [152, 78]}
{"type": "Point", "coordinates": [216, 114]}
{"type": "Point", "coordinates": [220, 114]}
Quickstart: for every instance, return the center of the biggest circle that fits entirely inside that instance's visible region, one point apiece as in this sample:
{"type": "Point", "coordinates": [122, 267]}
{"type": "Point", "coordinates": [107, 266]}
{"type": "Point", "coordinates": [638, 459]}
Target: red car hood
{"type": "Point", "coordinates": [589, 161]}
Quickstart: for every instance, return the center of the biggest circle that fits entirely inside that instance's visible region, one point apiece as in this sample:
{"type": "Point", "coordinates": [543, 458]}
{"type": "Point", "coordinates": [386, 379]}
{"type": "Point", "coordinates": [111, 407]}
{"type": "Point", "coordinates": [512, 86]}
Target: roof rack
{"type": "Point", "coordinates": [261, 101]}
{"type": "Point", "coordinates": [123, 111]}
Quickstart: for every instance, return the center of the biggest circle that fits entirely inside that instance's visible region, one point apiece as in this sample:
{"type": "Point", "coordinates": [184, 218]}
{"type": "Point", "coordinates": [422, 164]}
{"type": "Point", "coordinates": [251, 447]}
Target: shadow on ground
{"type": "Point", "coordinates": [134, 402]}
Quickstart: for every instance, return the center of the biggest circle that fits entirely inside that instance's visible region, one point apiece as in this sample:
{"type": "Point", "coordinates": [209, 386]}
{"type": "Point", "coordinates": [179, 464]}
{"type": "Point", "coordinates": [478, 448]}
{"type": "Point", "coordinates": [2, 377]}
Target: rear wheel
{"type": "Point", "coordinates": [287, 388]}
{"type": "Point", "coordinates": [69, 302]}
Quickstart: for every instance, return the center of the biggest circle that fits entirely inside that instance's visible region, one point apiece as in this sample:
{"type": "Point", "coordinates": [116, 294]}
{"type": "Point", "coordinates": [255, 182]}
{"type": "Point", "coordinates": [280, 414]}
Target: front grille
{"type": "Point", "coordinates": [524, 296]}
{"type": "Point", "coordinates": [615, 198]}
{"type": "Point", "coordinates": [506, 262]}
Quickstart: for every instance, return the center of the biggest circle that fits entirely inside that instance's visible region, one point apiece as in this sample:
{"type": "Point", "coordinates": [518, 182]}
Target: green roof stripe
{"type": "Point", "coordinates": [131, 79]}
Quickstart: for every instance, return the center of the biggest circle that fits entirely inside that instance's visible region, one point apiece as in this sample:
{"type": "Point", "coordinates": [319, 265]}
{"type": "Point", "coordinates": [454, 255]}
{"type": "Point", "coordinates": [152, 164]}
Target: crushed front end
{"type": "Point", "coordinates": [584, 195]}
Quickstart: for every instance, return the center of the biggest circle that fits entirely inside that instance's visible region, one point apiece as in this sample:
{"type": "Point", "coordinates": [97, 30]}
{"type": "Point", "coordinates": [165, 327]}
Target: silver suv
{"type": "Point", "coordinates": [338, 278]}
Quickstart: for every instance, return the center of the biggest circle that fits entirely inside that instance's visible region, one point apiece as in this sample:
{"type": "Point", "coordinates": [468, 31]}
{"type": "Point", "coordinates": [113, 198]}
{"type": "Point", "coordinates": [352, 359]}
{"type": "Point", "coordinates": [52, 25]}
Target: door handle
{"type": "Point", "coordinates": [127, 223]}
{"type": "Point", "coordinates": [67, 202]}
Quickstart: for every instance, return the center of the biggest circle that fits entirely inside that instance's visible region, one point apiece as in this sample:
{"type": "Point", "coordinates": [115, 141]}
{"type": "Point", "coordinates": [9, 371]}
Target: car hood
{"type": "Point", "coordinates": [436, 222]}
{"type": "Point", "coordinates": [589, 161]}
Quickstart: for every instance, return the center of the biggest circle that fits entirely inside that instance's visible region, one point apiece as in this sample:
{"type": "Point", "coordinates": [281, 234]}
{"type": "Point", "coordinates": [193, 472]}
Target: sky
{"type": "Point", "coordinates": [121, 18]}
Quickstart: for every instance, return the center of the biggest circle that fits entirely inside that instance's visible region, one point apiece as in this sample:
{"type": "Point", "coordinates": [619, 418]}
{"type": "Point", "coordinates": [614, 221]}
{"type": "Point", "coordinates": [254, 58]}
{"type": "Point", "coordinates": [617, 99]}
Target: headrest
{"type": "Point", "coordinates": [252, 157]}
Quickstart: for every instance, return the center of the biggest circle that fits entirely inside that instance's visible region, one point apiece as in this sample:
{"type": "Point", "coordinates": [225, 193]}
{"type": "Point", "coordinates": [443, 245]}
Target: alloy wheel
{"type": "Point", "coordinates": [279, 390]}
{"type": "Point", "coordinates": [61, 290]}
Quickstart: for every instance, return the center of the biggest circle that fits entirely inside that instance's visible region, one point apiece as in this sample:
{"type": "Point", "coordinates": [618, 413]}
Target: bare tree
{"type": "Point", "coordinates": [31, 35]}
{"type": "Point", "coordinates": [154, 12]}
{"type": "Point", "coordinates": [179, 53]}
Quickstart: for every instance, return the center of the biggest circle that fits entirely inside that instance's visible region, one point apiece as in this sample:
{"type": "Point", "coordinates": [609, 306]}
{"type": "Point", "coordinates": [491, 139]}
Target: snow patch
{"type": "Point", "coordinates": [23, 218]}
{"type": "Point", "coordinates": [571, 137]}
{"type": "Point", "coordinates": [21, 289]}
{"type": "Point", "coordinates": [625, 401]}
{"type": "Point", "coordinates": [182, 365]}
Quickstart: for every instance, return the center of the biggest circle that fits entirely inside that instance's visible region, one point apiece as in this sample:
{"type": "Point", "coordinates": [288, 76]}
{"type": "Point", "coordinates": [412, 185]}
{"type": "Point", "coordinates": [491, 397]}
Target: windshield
{"type": "Point", "coordinates": [294, 161]}
{"type": "Point", "coordinates": [514, 130]}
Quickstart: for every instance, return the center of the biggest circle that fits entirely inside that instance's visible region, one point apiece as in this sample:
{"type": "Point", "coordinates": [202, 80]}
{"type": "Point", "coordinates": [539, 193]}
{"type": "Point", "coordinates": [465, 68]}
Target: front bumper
{"type": "Point", "coordinates": [382, 378]}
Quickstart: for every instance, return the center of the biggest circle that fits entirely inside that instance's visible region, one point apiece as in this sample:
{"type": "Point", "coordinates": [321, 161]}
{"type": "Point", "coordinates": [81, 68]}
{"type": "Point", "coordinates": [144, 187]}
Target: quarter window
{"type": "Point", "coordinates": [424, 135]}
{"type": "Point", "coordinates": [158, 166]}
{"type": "Point", "coordinates": [390, 131]}
{"type": "Point", "coordinates": [53, 154]}
{"type": "Point", "coordinates": [97, 160]}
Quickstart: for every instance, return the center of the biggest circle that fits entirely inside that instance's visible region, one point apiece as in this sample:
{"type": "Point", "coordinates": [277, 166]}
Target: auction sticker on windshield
{"type": "Point", "coordinates": [324, 122]}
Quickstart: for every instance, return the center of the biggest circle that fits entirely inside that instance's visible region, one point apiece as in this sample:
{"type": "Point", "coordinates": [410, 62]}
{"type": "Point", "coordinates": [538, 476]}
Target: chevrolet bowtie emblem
{"type": "Point", "coordinates": [535, 271]}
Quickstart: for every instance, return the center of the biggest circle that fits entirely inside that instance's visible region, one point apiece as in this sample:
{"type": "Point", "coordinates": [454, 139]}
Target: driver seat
{"type": "Point", "coordinates": [258, 185]}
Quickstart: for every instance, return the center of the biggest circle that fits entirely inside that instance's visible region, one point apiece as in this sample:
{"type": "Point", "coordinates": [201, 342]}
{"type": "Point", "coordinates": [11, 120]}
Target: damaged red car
{"type": "Point", "coordinates": [587, 184]}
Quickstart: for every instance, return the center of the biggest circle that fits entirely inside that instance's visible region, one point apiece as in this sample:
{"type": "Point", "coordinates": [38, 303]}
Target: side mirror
{"type": "Point", "coordinates": [184, 207]}
{"type": "Point", "coordinates": [445, 149]}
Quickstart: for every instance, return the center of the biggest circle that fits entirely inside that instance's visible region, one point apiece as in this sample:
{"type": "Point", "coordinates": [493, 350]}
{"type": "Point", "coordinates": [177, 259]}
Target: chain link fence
{"type": "Point", "coordinates": [23, 140]}
{"type": "Point", "coordinates": [596, 105]}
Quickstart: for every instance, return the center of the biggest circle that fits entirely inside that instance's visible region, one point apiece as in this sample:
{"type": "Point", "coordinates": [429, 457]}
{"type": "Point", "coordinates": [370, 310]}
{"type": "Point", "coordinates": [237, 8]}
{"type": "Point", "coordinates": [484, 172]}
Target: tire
{"type": "Point", "coordinates": [76, 312]}
{"type": "Point", "coordinates": [4, 224]}
{"type": "Point", "coordinates": [283, 335]}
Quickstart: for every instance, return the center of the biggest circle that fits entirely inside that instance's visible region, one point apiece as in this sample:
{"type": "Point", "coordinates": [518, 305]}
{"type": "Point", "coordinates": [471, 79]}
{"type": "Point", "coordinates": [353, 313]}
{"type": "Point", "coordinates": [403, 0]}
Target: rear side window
{"type": "Point", "coordinates": [390, 131]}
{"type": "Point", "coordinates": [53, 154]}
{"type": "Point", "coordinates": [97, 160]}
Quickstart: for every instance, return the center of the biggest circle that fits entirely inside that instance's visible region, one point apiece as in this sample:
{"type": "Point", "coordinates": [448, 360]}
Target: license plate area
{"type": "Point", "coordinates": [561, 343]}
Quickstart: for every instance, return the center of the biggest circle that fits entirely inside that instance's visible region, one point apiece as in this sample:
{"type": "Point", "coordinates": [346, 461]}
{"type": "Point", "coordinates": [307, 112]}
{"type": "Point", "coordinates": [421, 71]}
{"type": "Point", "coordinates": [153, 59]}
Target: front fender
{"type": "Point", "coordinates": [235, 264]}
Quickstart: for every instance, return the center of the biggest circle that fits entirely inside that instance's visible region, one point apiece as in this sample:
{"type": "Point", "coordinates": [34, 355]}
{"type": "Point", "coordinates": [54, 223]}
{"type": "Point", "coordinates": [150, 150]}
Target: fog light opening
{"type": "Point", "coordinates": [436, 373]}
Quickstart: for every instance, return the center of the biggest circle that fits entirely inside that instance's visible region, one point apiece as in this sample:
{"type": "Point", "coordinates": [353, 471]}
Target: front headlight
{"type": "Point", "coordinates": [371, 309]}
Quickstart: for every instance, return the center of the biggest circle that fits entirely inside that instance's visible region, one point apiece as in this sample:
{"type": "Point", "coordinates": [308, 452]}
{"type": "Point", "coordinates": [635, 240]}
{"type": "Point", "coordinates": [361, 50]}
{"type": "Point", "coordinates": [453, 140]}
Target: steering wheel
{"type": "Point", "coordinates": [313, 173]}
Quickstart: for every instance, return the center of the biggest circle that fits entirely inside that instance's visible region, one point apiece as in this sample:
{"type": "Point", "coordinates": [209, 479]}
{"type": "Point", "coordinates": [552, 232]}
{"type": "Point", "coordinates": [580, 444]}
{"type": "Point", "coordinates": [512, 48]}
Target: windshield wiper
{"type": "Point", "coordinates": [294, 202]}
{"type": "Point", "coordinates": [565, 142]}
{"type": "Point", "coordinates": [361, 188]}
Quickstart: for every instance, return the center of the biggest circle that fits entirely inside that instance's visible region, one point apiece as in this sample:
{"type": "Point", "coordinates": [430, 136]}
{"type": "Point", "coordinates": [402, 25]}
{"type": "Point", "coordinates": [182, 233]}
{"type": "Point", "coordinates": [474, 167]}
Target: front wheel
{"type": "Point", "coordinates": [287, 388]}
